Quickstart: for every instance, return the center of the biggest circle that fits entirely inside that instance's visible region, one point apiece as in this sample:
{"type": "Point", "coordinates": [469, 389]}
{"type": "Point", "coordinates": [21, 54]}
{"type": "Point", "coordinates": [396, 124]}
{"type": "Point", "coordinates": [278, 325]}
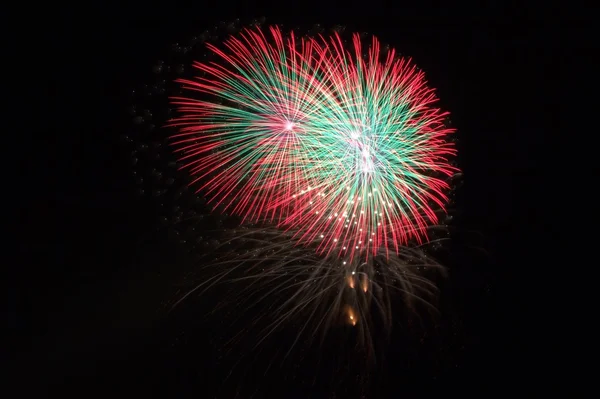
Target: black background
{"type": "Point", "coordinates": [86, 316]}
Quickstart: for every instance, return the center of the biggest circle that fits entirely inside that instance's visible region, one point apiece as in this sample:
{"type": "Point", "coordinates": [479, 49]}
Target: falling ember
{"type": "Point", "coordinates": [365, 283]}
{"type": "Point", "coordinates": [350, 281]}
{"type": "Point", "coordinates": [350, 315]}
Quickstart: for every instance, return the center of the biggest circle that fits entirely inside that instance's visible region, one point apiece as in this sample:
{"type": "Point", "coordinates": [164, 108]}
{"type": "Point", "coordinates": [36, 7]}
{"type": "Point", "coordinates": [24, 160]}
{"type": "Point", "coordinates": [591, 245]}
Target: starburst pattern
{"type": "Point", "coordinates": [343, 146]}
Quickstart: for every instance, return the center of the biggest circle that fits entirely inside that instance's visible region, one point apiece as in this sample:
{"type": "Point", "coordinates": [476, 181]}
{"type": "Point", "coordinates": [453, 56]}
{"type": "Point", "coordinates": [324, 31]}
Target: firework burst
{"type": "Point", "coordinates": [344, 147]}
{"type": "Point", "coordinates": [243, 143]}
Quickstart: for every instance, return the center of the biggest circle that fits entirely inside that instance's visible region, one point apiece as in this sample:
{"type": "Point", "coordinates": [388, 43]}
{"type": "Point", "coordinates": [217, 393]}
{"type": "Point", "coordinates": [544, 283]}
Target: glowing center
{"type": "Point", "coordinates": [289, 126]}
{"type": "Point", "coordinates": [366, 162]}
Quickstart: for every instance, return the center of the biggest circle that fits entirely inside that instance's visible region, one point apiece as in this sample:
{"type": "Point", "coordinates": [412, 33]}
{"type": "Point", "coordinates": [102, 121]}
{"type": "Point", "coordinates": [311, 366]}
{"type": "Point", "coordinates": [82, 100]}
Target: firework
{"type": "Point", "coordinates": [324, 165]}
{"type": "Point", "coordinates": [345, 147]}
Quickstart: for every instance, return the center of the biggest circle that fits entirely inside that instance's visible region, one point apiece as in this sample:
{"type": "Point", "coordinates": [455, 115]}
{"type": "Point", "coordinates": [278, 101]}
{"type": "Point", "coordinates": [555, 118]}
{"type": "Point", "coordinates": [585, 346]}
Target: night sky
{"type": "Point", "coordinates": [90, 313]}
